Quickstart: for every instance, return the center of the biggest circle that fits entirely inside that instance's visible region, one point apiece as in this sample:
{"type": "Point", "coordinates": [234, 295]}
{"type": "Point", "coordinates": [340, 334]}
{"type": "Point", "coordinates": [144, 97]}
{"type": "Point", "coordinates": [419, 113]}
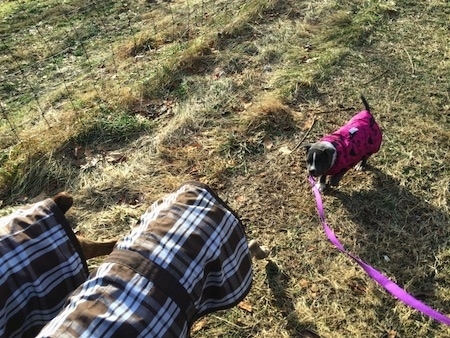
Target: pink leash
{"type": "Point", "coordinates": [381, 279]}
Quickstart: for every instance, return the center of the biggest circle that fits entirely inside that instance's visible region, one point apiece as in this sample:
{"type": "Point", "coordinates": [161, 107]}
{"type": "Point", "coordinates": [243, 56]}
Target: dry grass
{"type": "Point", "coordinates": [223, 92]}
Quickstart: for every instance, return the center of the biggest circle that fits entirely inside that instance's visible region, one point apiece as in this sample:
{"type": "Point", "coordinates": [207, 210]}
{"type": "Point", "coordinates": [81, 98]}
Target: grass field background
{"type": "Point", "coordinates": [120, 102]}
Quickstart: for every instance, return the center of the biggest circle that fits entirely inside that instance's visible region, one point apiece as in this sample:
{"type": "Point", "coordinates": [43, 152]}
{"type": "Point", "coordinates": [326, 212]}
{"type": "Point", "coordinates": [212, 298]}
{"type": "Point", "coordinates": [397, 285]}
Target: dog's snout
{"type": "Point", "coordinates": [311, 167]}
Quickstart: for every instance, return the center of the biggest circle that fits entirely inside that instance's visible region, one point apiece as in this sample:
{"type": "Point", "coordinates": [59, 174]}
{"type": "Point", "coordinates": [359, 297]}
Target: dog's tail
{"type": "Point", "coordinates": [366, 105]}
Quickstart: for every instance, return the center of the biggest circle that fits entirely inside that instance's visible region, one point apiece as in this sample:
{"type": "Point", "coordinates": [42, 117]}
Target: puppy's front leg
{"type": "Point", "coordinates": [335, 179]}
{"type": "Point", "coordinates": [361, 165]}
{"type": "Point", "coordinates": [93, 249]}
{"type": "Point", "coordinates": [258, 251]}
{"type": "Point", "coordinates": [321, 185]}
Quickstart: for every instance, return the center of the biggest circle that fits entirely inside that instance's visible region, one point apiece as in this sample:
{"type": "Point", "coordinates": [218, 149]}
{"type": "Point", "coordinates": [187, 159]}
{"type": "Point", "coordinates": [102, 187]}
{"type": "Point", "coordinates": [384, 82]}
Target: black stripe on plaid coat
{"type": "Point", "coordinates": [186, 257]}
{"type": "Point", "coordinates": [40, 264]}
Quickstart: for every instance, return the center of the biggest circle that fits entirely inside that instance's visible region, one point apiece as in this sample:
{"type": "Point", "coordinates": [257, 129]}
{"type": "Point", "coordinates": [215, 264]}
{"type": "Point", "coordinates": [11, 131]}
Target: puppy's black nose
{"type": "Point", "coordinates": [313, 172]}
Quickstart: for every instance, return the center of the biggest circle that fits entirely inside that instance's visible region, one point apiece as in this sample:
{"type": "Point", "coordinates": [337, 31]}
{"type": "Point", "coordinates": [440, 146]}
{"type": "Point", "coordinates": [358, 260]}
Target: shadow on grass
{"type": "Point", "coordinates": [278, 283]}
{"type": "Point", "coordinates": [402, 235]}
{"type": "Point", "coordinates": [50, 172]}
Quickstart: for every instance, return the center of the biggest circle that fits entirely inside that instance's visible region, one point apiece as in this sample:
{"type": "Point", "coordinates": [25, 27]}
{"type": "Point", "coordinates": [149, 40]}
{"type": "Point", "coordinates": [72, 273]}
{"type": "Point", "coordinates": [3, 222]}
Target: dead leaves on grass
{"type": "Point", "coordinates": [358, 286]}
{"type": "Point", "coordinates": [92, 158]}
{"type": "Point", "coordinates": [246, 306]}
{"type": "Point", "coordinates": [392, 334]}
{"type": "Point", "coordinates": [202, 323]}
{"type": "Point", "coordinates": [199, 325]}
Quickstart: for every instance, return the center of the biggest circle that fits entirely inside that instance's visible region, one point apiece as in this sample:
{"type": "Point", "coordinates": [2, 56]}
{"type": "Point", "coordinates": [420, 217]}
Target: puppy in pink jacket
{"type": "Point", "coordinates": [351, 145]}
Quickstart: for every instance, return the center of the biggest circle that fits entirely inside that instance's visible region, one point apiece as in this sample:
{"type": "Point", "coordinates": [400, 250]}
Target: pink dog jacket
{"type": "Point", "coordinates": [356, 140]}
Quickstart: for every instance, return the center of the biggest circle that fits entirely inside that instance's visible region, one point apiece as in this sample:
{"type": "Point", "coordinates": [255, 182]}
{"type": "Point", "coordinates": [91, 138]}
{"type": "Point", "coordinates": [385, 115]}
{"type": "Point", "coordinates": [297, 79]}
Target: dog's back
{"type": "Point", "coordinates": [359, 138]}
{"type": "Point", "coordinates": [187, 256]}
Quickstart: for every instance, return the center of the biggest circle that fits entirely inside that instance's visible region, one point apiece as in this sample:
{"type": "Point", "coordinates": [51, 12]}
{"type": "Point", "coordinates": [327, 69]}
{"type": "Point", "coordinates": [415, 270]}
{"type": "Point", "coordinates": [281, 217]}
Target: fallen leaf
{"type": "Point", "coordinates": [303, 283]}
{"type": "Point", "coordinates": [198, 325]}
{"type": "Point", "coordinates": [115, 157]}
{"type": "Point", "coordinates": [240, 199]}
{"type": "Point", "coordinates": [392, 334]}
{"type": "Point", "coordinates": [244, 305]}
{"type": "Point", "coordinates": [285, 150]}
{"type": "Point", "coordinates": [91, 162]}
{"type": "Point", "coordinates": [268, 144]}
{"type": "Point", "coordinates": [358, 287]}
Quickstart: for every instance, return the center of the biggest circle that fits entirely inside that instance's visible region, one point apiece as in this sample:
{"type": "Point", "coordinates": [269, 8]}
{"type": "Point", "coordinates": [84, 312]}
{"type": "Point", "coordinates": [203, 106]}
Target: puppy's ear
{"type": "Point", "coordinates": [306, 146]}
{"type": "Point", "coordinates": [64, 201]}
{"type": "Point", "coordinates": [330, 152]}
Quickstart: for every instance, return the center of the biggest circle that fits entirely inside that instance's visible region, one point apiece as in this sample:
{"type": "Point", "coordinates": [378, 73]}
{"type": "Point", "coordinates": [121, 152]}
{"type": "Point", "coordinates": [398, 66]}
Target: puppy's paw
{"type": "Point", "coordinates": [264, 252]}
{"type": "Point", "coordinates": [361, 166]}
{"type": "Point", "coordinates": [335, 179]}
{"type": "Point", "coordinates": [321, 186]}
{"type": "Point", "coordinates": [258, 251]}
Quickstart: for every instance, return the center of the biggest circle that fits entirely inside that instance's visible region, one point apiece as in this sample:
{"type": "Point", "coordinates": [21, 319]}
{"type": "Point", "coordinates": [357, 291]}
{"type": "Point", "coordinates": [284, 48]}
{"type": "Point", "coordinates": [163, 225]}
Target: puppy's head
{"type": "Point", "coordinates": [64, 201]}
{"type": "Point", "coordinates": [320, 157]}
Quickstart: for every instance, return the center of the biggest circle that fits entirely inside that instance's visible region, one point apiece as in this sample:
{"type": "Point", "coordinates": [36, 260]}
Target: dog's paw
{"type": "Point", "coordinates": [361, 166]}
{"type": "Point", "coordinates": [258, 251]}
{"type": "Point", "coordinates": [321, 186]}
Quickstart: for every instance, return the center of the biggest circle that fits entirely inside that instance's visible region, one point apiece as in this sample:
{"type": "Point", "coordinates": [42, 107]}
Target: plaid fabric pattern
{"type": "Point", "coordinates": [40, 266]}
{"type": "Point", "coordinates": [186, 257]}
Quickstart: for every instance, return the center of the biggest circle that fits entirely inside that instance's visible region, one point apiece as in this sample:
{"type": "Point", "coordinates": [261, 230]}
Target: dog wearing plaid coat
{"type": "Point", "coordinates": [41, 262]}
{"type": "Point", "coordinates": [187, 256]}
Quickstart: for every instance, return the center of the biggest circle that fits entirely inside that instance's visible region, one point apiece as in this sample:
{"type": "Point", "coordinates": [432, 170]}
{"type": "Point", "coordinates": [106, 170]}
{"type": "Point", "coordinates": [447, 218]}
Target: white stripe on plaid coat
{"type": "Point", "coordinates": [187, 256]}
{"type": "Point", "coordinates": [41, 263]}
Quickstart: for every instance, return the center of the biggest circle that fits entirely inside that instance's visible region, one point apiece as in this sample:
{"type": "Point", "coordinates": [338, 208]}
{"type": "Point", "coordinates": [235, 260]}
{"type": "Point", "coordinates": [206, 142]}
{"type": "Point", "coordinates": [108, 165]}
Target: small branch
{"type": "Point", "coordinates": [376, 77]}
{"type": "Point", "coordinates": [410, 61]}
{"type": "Point", "coordinates": [305, 136]}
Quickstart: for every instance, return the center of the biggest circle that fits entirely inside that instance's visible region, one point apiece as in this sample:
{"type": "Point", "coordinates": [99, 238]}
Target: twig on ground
{"type": "Point", "coordinates": [410, 60]}
{"type": "Point", "coordinates": [376, 77]}
{"type": "Point", "coordinates": [305, 136]}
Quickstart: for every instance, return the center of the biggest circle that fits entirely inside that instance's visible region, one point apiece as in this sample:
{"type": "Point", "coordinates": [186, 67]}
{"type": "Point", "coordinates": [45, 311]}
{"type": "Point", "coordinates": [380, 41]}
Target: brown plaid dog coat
{"type": "Point", "coordinates": [187, 256]}
{"type": "Point", "coordinates": [41, 263]}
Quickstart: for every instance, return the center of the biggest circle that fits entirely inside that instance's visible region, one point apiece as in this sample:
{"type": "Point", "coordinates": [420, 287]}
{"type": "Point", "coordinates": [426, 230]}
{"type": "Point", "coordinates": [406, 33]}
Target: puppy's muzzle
{"type": "Point", "coordinates": [312, 171]}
